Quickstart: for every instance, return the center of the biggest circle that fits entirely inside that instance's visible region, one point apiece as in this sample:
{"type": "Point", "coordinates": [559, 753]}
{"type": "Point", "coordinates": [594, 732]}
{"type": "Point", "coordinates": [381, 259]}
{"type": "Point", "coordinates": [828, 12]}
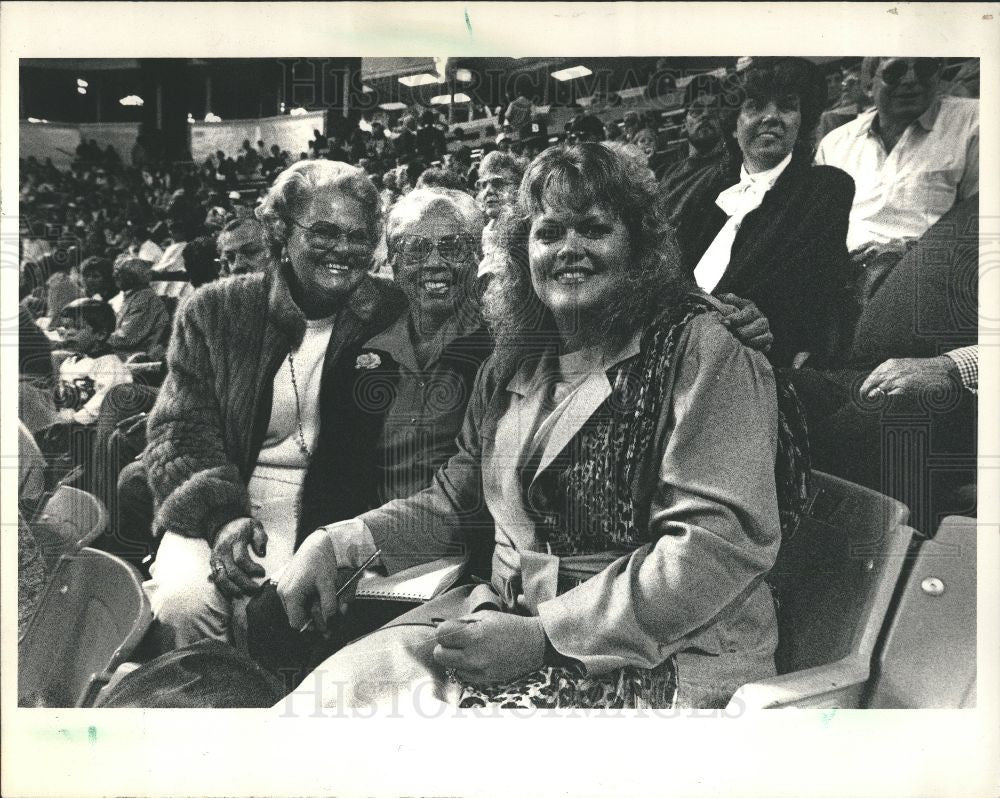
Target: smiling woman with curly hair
{"type": "Point", "coordinates": [624, 445]}
{"type": "Point", "coordinates": [252, 442]}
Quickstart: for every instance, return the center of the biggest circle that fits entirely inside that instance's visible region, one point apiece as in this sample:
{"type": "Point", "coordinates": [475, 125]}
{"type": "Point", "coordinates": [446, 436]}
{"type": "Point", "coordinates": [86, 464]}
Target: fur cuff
{"type": "Point", "coordinates": [204, 503]}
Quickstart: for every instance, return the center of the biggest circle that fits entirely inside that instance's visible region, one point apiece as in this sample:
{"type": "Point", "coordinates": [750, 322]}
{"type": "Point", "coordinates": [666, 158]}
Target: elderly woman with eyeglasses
{"type": "Point", "coordinates": [624, 447]}
{"type": "Point", "coordinates": [415, 377]}
{"type": "Point", "coordinates": [255, 439]}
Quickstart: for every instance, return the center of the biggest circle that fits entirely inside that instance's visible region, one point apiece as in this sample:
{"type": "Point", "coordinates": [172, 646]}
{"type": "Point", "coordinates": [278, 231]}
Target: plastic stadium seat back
{"type": "Point", "coordinates": [829, 571]}
{"type": "Point", "coordinates": [91, 617]}
{"type": "Point", "coordinates": [928, 656]}
{"type": "Point", "coordinates": [833, 581]}
{"type": "Point", "coordinates": [68, 521]}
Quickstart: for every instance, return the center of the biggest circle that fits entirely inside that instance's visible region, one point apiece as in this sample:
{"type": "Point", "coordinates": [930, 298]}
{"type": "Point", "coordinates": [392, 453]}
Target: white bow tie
{"type": "Point", "coordinates": [736, 202]}
{"type": "Point", "coordinates": [744, 197]}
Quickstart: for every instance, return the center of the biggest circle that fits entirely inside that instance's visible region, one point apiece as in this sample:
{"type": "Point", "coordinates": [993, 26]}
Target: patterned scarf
{"type": "Point", "coordinates": [599, 513]}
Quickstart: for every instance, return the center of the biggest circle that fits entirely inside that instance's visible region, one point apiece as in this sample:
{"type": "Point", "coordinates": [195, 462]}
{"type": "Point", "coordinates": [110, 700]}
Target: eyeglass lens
{"type": "Point", "coordinates": [417, 249]}
{"type": "Point", "coordinates": [327, 235]}
{"type": "Point", "coordinates": [895, 71]}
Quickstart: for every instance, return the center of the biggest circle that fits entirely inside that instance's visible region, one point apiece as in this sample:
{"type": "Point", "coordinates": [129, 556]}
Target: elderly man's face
{"type": "Point", "coordinates": [904, 88]}
{"type": "Point", "coordinates": [703, 122]}
{"type": "Point", "coordinates": [243, 250]}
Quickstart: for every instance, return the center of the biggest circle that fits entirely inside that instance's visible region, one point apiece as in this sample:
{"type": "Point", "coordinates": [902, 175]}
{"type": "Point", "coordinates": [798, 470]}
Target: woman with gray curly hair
{"type": "Point", "coordinates": [254, 440]}
{"type": "Point", "coordinates": [625, 446]}
{"type": "Point", "coordinates": [419, 372]}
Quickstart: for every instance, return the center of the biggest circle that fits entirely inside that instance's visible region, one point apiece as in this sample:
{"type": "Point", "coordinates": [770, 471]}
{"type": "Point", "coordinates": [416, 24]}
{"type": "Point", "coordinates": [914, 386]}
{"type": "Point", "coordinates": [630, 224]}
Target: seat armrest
{"type": "Point", "coordinates": [837, 684]}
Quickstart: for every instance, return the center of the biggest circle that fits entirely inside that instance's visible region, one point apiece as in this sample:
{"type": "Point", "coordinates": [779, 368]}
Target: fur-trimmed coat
{"type": "Point", "coordinates": [205, 432]}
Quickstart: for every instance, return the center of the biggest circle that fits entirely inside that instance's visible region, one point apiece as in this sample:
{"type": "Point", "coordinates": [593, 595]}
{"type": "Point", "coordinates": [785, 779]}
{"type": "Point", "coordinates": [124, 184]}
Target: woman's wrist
{"type": "Point", "coordinates": [555, 659]}
{"type": "Point", "coordinates": [352, 542]}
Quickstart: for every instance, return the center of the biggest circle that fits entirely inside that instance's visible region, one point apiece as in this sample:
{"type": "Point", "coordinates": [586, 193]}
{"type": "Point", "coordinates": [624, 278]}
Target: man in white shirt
{"type": "Point", "coordinates": [913, 157]}
{"type": "Point", "coordinates": [172, 261]}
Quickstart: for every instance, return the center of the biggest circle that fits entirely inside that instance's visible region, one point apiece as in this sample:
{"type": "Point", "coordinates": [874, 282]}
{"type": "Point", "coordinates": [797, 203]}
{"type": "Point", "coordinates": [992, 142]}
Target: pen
{"type": "Point", "coordinates": [439, 621]}
{"type": "Point", "coordinates": [350, 581]}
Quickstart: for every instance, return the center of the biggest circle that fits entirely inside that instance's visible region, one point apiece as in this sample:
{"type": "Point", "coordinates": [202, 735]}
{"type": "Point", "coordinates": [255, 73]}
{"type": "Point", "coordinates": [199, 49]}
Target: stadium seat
{"type": "Point", "coordinates": [68, 521]}
{"type": "Point", "coordinates": [928, 657]}
{"type": "Point", "coordinates": [833, 582]}
{"type": "Point", "coordinates": [92, 616]}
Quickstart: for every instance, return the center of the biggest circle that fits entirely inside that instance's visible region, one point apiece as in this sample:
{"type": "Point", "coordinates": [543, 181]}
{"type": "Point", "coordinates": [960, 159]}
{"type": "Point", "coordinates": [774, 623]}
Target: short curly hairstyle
{"type": "Point", "coordinates": [497, 161]}
{"type": "Point", "coordinates": [412, 207]}
{"type": "Point", "coordinates": [295, 186]}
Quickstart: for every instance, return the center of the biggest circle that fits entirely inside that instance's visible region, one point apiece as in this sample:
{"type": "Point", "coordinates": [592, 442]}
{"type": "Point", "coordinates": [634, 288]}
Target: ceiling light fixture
{"type": "Point", "coordinates": [572, 73]}
{"type": "Point", "coordinates": [423, 79]}
{"type": "Point", "coordinates": [446, 99]}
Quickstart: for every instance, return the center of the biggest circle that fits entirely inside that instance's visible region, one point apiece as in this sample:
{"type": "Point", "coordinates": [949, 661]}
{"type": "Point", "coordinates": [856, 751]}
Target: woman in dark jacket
{"type": "Point", "coordinates": [773, 228]}
{"type": "Point", "coordinates": [254, 437]}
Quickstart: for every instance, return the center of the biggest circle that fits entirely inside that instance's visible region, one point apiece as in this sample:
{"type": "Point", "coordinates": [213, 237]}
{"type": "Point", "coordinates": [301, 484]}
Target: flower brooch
{"type": "Point", "coordinates": [369, 360]}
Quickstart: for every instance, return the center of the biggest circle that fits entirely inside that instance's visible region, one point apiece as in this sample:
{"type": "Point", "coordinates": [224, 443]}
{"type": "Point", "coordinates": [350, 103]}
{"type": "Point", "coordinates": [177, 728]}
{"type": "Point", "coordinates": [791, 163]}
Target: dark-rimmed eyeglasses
{"type": "Point", "coordinates": [325, 235]}
{"type": "Point", "coordinates": [892, 72]}
{"type": "Point", "coordinates": [453, 249]}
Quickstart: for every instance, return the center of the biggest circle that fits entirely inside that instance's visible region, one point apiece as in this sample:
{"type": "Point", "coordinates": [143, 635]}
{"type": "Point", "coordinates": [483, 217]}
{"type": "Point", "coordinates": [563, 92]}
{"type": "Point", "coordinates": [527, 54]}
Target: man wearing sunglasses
{"type": "Point", "coordinates": [912, 157]}
{"type": "Point", "coordinates": [907, 333]}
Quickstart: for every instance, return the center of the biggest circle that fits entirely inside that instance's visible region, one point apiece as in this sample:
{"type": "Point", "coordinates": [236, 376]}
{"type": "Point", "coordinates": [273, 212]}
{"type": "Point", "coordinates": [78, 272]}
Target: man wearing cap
{"type": "Point", "coordinates": [504, 141]}
{"type": "Point", "coordinates": [586, 128]}
{"type": "Point", "coordinates": [533, 137]}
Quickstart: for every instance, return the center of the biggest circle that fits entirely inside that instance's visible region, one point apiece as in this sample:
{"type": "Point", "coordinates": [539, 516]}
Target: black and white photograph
{"type": "Point", "coordinates": [637, 384]}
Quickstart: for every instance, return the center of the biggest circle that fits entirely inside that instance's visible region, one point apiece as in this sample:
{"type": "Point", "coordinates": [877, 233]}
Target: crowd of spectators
{"type": "Point", "coordinates": [801, 215]}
